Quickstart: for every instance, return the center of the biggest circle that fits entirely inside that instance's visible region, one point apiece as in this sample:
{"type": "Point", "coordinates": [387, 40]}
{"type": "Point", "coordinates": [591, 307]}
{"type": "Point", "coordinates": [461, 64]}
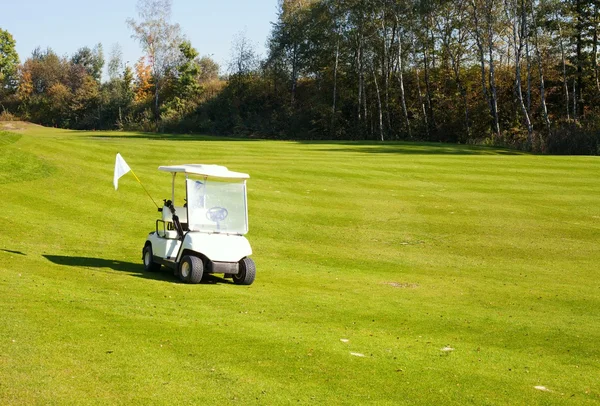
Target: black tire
{"type": "Point", "coordinates": [191, 269]}
{"type": "Point", "coordinates": [246, 273]}
{"type": "Point", "coordinates": [148, 258]}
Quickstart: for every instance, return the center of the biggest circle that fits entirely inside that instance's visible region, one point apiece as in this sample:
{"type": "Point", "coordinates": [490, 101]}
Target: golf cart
{"type": "Point", "coordinates": [206, 234]}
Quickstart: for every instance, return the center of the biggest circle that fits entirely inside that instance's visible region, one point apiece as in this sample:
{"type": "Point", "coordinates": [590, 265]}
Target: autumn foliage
{"type": "Point", "coordinates": [143, 88]}
{"type": "Point", "coordinates": [522, 74]}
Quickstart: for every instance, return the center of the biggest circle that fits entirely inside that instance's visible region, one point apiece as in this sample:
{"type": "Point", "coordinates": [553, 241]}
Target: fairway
{"type": "Point", "coordinates": [387, 273]}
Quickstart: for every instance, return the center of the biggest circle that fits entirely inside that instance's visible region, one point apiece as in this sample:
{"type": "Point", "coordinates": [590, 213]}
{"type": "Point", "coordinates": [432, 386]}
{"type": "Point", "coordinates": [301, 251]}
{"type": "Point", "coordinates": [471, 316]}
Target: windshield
{"type": "Point", "coordinates": [215, 206]}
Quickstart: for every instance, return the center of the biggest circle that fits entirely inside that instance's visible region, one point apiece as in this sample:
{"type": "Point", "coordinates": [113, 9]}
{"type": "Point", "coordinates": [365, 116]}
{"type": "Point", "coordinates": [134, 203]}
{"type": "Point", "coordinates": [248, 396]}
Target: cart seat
{"type": "Point", "coordinates": [180, 211]}
{"type": "Point", "coordinates": [170, 234]}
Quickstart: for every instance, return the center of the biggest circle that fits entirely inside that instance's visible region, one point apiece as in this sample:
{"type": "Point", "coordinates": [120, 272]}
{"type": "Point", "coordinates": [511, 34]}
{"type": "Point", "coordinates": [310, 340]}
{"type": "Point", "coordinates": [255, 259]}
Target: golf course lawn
{"type": "Point", "coordinates": [387, 273]}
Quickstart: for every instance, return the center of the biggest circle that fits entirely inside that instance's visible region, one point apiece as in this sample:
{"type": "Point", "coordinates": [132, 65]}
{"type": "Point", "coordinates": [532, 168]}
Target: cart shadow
{"type": "Point", "coordinates": [13, 252]}
{"type": "Point", "coordinates": [135, 269]}
{"type": "Point", "coordinates": [210, 279]}
{"type": "Point", "coordinates": [132, 268]}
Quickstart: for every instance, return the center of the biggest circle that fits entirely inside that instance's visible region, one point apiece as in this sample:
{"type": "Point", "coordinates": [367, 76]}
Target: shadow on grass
{"type": "Point", "coordinates": [414, 148]}
{"type": "Point", "coordinates": [132, 268]}
{"type": "Point", "coordinates": [135, 269]}
{"type": "Point", "coordinates": [171, 137]}
{"type": "Point", "coordinates": [371, 147]}
{"type": "Point", "coordinates": [14, 252]}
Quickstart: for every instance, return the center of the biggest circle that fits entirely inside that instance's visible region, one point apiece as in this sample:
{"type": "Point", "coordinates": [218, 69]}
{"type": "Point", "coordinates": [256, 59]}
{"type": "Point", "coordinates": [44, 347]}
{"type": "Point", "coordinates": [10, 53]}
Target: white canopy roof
{"type": "Point", "coordinates": [216, 171]}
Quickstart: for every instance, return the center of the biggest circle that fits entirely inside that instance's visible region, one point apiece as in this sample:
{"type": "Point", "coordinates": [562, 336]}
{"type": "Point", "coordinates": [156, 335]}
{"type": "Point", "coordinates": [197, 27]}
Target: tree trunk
{"type": "Point", "coordinates": [528, 57]}
{"type": "Point", "coordinates": [540, 70]}
{"type": "Point", "coordinates": [575, 116]}
{"type": "Point", "coordinates": [156, 78]}
{"type": "Point", "coordinates": [335, 69]}
{"type": "Point", "coordinates": [564, 67]}
{"type": "Point", "coordinates": [492, 76]}
{"type": "Point", "coordinates": [579, 50]}
{"type": "Point", "coordinates": [422, 102]}
{"type": "Point", "coordinates": [420, 94]}
{"type": "Point", "coordinates": [365, 107]}
{"type": "Point", "coordinates": [427, 82]}
{"type": "Point", "coordinates": [156, 112]}
{"type": "Point", "coordinates": [519, 31]}
{"type": "Point", "coordinates": [294, 72]}
{"type": "Point", "coordinates": [595, 54]}
{"type": "Point", "coordinates": [360, 78]}
{"type": "Point", "coordinates": [479, 42]}
{"type": "Point", "coordinates": [401, 80]}
{"type": "Point", "coordinates": [455, 60]}
{"type": "Point", "coordinates": [385, 65]}
{"type": "Point", "coordinates": [378, 104]}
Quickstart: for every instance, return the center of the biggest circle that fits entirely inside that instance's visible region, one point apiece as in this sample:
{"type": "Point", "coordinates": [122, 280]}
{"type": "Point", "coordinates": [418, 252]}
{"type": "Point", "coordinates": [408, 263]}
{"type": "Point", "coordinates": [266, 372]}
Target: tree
{"type": "Point", "coordinates": [243, 59]}
{"type": "Point", "coordinates": [59, 97]}
{"type": "Point", "coordinates": [46, 69]}
{"type": "Point", "coordinates": [208, 77]}
{"type": "Point", "coordinates": [289, 42]}
{"type": "Point", "coordinates": [209, 69]}
{"type": "Point", "coordinates": [115, 62]}
{"type": "Point", "coordinates": [511, 72]}
{"type": "Point", "coordinates": [516, 11]}
{"type": "Point", "coordinates": [59, 91]}
{"type": "Point", "coordinates": [9, 61]}
{"type": "Point", "coordinates": [454, 32]}
{"type": "Point", "coordinates": [128, 80]}
{"type": "Point", "coordinates": [159, 39]}
{"type": "Point", "coordinates": [91, 59]}
{"type": "Point", "coordinates": [186, 86]}
{"type": "Point", "coordinates": [536, 43]}
{"type": "Point", "coordinates": [485, 14]}
{"type": "Point", "coordinates": [143, 86]}
{"type": "Point", "coordinates": [84, 99]}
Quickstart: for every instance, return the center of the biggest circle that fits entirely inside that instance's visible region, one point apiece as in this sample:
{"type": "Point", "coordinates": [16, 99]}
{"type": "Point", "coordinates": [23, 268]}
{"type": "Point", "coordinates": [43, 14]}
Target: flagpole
{"type": "Point", "coordinates": [140, 182]}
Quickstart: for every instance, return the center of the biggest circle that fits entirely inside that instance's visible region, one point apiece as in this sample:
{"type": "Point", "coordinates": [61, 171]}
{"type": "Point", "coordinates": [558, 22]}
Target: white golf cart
{"type": "Point", "coordinates": [206, 234]}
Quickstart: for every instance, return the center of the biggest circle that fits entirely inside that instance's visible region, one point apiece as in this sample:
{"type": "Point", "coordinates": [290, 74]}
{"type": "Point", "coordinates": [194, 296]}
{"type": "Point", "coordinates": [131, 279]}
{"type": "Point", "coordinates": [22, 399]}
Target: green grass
{"type": "Point", "coordinates": [402, 249]}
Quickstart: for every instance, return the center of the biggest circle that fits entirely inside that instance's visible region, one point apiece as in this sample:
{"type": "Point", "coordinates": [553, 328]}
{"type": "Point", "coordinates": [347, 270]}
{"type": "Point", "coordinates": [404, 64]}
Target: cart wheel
{"type": "Point", "coordinates": [149, 264]}
{"type": "Point", "coordinates": [246, 274]}
{"type": "Point", "coordinates": [191, 269]}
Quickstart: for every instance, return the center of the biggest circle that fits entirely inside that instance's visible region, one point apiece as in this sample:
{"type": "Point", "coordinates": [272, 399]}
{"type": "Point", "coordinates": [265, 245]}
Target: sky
{"type": "Point", "coordinates": [67, 25]}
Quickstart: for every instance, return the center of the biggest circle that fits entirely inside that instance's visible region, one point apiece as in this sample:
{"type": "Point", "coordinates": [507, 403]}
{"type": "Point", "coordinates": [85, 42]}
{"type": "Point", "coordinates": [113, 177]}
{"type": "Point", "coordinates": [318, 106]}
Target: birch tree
{"type": "Point", "coordinates": [159, 38]}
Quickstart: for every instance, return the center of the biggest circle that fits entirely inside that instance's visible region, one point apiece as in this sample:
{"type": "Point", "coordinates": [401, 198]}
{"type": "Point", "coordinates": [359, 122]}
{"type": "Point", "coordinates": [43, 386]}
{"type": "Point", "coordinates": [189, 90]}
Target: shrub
{"type": "Point", "coordinates": [571, 138]}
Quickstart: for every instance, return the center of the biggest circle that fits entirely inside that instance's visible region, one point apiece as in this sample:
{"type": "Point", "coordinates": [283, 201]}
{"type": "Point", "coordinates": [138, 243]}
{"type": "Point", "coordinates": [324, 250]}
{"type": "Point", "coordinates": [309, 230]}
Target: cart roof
{"type": "Point", "coordinates": [215, 171]}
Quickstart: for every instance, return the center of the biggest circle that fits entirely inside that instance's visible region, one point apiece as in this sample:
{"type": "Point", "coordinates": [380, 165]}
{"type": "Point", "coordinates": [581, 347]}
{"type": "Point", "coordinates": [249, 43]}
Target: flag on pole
{"type": "Point", "coordinates": [121, 168]}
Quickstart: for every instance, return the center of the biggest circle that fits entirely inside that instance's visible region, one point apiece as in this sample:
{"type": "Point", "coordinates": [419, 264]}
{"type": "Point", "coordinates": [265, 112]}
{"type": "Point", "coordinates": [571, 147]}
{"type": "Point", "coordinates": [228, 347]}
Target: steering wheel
{"type": "Point", "coordinates": [217, 214]}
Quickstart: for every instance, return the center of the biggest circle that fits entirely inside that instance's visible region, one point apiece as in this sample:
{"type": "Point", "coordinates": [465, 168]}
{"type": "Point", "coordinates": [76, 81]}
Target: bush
{"type": "Point", "coordinates": [570, 138]}
{"type": "Point", "coordinates": [144, 122]}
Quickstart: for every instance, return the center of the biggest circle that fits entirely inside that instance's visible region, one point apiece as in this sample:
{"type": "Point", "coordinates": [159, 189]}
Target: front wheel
{"type": "Point", "coordinates": [246, 273]}
{"type": "Point", "coordinates": [148, 257]}
{"type": "Point", "coordinates": [191, 269]}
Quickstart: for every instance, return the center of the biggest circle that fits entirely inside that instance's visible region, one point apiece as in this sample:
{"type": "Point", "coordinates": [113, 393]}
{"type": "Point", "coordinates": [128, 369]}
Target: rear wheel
{"type": "Point", "coordinates": [148, 257]}
{"type": "Point", "coordinates": [246, 273]}
{"type": "Point", "coordinates": [191, 269]}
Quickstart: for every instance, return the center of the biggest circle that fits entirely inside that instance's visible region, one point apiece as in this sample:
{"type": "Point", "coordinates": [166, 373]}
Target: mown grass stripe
{"type": "Point", "coordinates": [403, 249]}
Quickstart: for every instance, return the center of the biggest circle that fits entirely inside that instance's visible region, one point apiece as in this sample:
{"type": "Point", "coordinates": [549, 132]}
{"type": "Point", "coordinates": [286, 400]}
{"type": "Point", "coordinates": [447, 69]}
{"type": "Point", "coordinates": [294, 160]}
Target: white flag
{"type": "Point", "coordinates": [121, 168]}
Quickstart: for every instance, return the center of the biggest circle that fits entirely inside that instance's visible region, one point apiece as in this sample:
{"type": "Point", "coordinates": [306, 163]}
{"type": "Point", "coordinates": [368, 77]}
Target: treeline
{"type": "Point", "coordinates": [519, 73]}
{"type": "Point", "coordinates": [68, 91]}
{"type": "Point", "coordinates": [522, 73]}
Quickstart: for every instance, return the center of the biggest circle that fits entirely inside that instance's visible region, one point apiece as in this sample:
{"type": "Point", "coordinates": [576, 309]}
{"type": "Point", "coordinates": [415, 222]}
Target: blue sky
{"type": "Point", "coordinates": [67, 25]}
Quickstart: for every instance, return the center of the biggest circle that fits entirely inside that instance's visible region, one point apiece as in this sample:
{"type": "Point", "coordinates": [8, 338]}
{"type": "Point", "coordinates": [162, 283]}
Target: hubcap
{"type": "Point", "coordinates": [147, 258]}
{"type": "Point", "coordinates": [185, 269]}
